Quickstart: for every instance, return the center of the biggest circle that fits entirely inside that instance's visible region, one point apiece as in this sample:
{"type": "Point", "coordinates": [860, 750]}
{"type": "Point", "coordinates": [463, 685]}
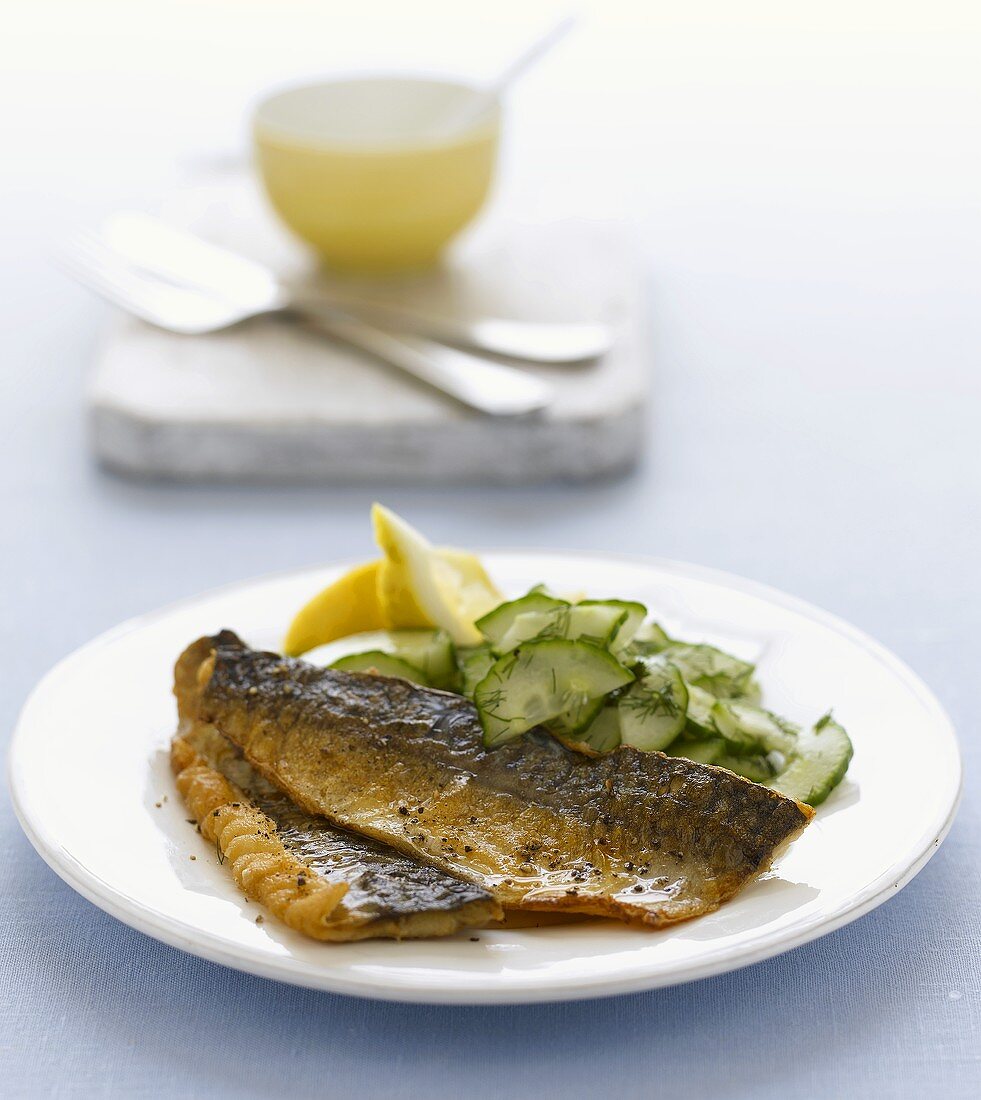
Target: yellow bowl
{"type": "Point", "coordinates": [359, 169]}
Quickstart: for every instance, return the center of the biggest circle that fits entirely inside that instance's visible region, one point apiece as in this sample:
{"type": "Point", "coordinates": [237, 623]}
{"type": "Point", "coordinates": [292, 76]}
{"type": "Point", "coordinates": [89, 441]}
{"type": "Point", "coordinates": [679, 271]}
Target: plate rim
{"type": "Point", "coordinates": [214, 948]}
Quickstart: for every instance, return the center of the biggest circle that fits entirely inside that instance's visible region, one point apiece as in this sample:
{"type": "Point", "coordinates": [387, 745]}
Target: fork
{"type": "Point", "coordinates": [490, 388]}
{"type": "Point", "coordinates": [150, 241]}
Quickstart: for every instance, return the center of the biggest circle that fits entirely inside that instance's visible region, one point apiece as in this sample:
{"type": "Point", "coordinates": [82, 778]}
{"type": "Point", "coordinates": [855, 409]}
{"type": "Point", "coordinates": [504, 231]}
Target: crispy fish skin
{"type": "Point", "coordinates": [264, 869]}
{"type": "Point", "coordinates": [639, 836]}
{"type": "Point", "coordinates": [378, 892]}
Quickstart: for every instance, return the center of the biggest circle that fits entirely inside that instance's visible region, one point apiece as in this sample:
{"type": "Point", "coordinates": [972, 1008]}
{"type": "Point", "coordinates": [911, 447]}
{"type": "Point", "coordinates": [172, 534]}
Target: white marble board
{"type": "Point", "coordinates": [270, 401]}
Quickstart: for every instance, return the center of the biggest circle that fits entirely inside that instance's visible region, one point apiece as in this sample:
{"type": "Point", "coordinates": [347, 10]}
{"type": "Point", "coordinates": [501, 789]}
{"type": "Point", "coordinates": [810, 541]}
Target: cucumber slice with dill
{"type": "Point", "coordinates": [596, 623]}
{"type": "Point", "coordinates": [633, 617]}
{"type": "Point", "coordinates": [652, 712]}
{"type": "Point", "coordinates": [725, 676]}
{"type": "Point", "coordinates": [374, 660]}
{"type": "Point", "coordinates": [474, 664]}
{"type": "Point", "coordinates": [717, 751]}
{"type": "Point", "coordinates": [649, 638]}
{"type": "Point", "coordinates": [429, 650]}
{"type": "Point", "coordinates": [818, 764]}
{"type": "Point", "coordinates": [755, 767]}
{"type": "Point", "coordinates": [699, 716]}
{"type": "Point", "coordinates": [601, 736]}
{"type": "Point", "coordinates": [577, 718]}
{"type": "Point", "coordinates": [751, 728]}
{"type": "Point", "coordinates": [541, 680]}
{"type": "Point", "coordinates": [707, 751]}
{"type": "Point", "coordinates": [496, 624]}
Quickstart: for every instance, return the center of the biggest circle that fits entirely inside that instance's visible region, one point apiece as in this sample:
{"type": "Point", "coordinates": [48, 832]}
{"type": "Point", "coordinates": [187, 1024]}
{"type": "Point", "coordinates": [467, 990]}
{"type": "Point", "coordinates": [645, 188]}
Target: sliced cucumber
{"type": "Point", "coordinates": [752, 692]}
{"type": "Point", "coordinates": [541, 680]}
{"type": "Point", "coordinates": [708, 751]}
{"type": "Point", "coordinates": [700, 704]}
{"type": "Point", "coordinates": [595, 621]}
{"type": "Point", "coordinates": [571, 722]}
{"type": "Point", "coordinates": [717, 751]}
{"type": "Point", "coordinates": [725, 676]}
{"type": "Point", "coordinates": [652, 711]}
{"type": "Point", "coordinates": [474, 664]}
{"type": "Point", "coordinates": [429, 650]}
{"type": "Point", "coordinates": [601, 736]}
{"type": "Point", "coordinates": [496, 624]}
{"type": "Point", "coordinates": [818, 763]}
{"type": "Point", "coordinates": [649, 638]}
{"type": "Point", "coordinates": [755, 767]}
{"type": "Point", "coordinates": [597, 624]}
{"type": "Point", "coordinates": [633, 617]}
{"type": "Point", "coordinates": [374, 660]}
{"type": "Point", "coordinates": [531, 624]}
{"type": "Point", "coordinates": [752, 728]}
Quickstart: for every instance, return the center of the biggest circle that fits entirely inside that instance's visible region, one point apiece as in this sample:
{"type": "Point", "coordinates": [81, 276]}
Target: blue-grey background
{"type": "Point", "coordinates": [805, 184]}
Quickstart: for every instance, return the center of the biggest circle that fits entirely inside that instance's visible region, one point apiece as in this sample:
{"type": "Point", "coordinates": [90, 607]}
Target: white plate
{"type": "Point", "coordinates": [92, 787]}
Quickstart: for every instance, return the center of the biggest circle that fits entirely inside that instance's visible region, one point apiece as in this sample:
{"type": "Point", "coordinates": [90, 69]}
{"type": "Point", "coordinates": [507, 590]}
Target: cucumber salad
{"type": "Point", "coordinates": [598, 674]}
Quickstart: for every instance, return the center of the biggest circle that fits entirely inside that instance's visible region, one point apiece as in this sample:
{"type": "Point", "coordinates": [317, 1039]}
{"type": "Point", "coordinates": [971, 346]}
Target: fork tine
{"type": "Point", "coordinates": [109, 281]}
{"type": "Point", "coordinates": [97, 253]}
{"type": "Point", "coordinates": [94, 262]}
{"type": "Point", "coordinates": [93, 274]}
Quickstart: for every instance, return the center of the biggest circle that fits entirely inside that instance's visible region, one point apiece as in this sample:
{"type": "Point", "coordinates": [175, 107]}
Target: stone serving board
{"type": "Point", "coordinates": [270, 401]}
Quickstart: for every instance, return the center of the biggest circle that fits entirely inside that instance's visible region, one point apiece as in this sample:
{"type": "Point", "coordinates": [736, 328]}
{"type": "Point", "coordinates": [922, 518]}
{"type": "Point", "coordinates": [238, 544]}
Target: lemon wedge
{"type": "Point", "coordinates": [348, 606]}
{"type": "Point", "coordinates": [422, 585]}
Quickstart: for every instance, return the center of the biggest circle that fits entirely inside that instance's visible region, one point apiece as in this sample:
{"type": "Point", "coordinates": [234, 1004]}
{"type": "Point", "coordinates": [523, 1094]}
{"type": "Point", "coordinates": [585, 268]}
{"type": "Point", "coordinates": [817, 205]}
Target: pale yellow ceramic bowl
{"type": "Point", "coordinates": [359, 170]}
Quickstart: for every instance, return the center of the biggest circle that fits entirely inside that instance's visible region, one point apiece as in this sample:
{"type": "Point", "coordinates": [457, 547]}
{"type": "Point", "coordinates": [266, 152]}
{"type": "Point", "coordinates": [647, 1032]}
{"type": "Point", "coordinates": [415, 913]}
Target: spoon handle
{"type": "Point", "coordinates": [554, 342]}
{"type": "Point", "coordinates": [473, 110]}
{"type": "Point", "coordinates": [488, 387]}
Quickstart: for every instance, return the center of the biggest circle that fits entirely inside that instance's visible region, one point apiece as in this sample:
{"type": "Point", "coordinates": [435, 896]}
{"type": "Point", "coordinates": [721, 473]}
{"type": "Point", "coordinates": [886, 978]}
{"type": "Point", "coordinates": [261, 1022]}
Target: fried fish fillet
{"type": "Point", "coordinates": [639, 836]}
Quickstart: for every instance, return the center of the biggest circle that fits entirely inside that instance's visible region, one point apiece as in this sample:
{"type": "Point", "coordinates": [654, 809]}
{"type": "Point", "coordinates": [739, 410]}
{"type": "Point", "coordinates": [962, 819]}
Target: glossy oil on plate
{"type": "Point", "coordinates": [92, 786]}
